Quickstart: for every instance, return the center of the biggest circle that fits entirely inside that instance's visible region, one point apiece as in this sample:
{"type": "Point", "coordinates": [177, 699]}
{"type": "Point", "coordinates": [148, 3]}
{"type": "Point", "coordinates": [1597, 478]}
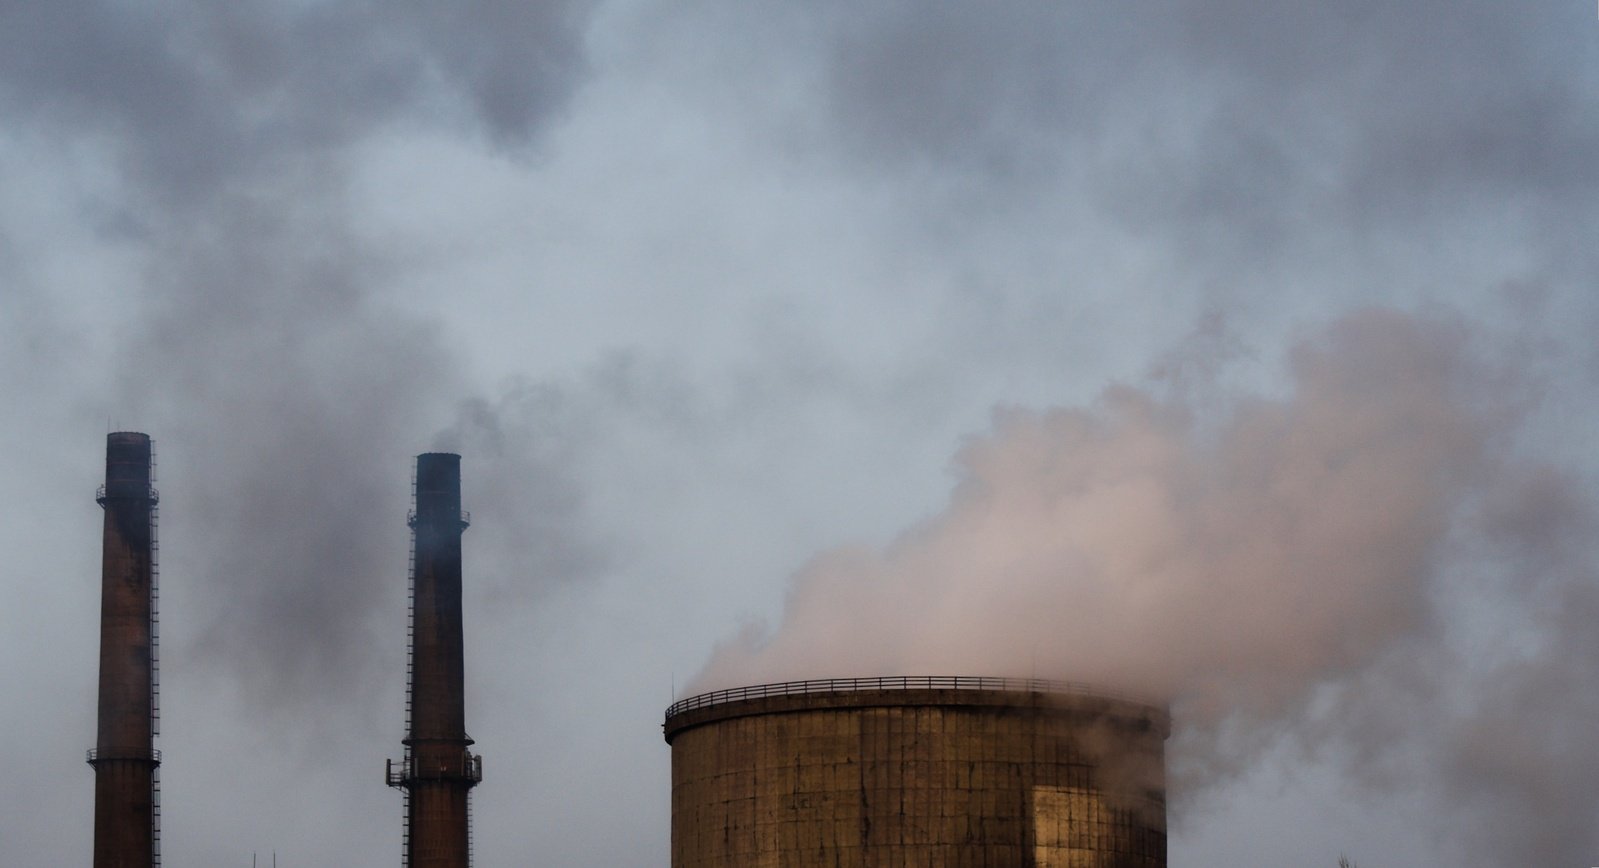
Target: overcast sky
{"type": "Point", "coordinates": [716, 296]}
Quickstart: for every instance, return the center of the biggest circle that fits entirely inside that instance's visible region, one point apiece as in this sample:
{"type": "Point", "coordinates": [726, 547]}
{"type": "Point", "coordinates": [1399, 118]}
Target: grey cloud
{"type": "Point", "coordinates": [958, 84]}
{"type": "Point", "coordinates": [517, 62]}
{"type": "Point", "coordinates": [286, 398]}
{"type": "Point", "coordinates": [1237, 128]}
{"type": "Point", "coordinates": [287, 393]}
{"type": "Point", "coordinates": [188, 95]}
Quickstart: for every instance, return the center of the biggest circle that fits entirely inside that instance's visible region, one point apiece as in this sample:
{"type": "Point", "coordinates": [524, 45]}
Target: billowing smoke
{"type": "Point", "coordinates": [252, 324]}
{"type": "Point", "coordinates": [1361, 561]}
{"type": "Point", "coordinates": [286, 387]}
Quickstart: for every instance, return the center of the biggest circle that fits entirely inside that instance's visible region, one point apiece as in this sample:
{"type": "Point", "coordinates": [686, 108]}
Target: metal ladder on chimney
{"type": "Point", "coordinates": [155, 661]}
{"type": "Point", "coordinates": [410, 666]}
{"type": "Point", "coordinates": [405, 826]}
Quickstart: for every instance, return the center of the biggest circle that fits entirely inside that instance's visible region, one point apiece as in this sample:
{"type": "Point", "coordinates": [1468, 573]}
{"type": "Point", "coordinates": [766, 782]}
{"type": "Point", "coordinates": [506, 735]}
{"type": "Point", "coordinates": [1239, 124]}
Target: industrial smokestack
{"type": "Point", "coordinates": [126, 809]}
{"type": "Point", "coordinates": [438, 770]}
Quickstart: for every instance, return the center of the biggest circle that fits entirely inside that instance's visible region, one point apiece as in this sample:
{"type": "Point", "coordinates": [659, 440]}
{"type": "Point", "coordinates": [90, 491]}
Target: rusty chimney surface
{"type": "Point", "coordinates": [438, 770]}
{"type": "Point", "coordinates": [124, 756]}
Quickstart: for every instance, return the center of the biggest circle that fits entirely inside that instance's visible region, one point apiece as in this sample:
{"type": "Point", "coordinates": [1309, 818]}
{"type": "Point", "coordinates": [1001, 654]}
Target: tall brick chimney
{"type": "Point", "coordinates": [126, 812]}
{"type": "Point", "coordinates": [439, 770]}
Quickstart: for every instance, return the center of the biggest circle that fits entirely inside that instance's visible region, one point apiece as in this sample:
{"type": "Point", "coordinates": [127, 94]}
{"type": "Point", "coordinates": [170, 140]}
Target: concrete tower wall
{"type": "Point", "coordinates": [124, 756]}
{"type": "Point", "coordinates": [898, 772]}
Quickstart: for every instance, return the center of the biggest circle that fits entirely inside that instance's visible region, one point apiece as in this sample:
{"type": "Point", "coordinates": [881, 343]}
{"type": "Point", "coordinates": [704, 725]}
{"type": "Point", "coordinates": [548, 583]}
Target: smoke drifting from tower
{"type": "Point", "coordinates": [124, 756]}
{"type": "Point", "coordinates": [439, 770]}
{"type": "Point", "coordinates": [1307, 564]}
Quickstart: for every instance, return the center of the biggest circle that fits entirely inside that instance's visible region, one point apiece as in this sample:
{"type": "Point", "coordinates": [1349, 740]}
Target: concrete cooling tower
{"type": "Point", "coordinates": [928, 771]}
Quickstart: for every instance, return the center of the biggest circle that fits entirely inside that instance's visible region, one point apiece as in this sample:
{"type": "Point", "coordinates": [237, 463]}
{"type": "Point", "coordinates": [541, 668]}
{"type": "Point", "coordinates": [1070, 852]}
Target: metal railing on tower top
{"type": "Point", "coordinates": [900, 682]}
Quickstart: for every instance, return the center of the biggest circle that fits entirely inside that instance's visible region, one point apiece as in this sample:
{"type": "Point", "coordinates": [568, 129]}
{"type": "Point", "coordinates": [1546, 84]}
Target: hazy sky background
{"type": "Point", "coordinates": [711, 294]}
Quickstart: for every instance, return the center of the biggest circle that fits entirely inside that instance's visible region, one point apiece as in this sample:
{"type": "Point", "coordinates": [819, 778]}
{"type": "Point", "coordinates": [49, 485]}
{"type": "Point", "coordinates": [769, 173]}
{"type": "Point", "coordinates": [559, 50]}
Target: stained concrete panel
{"type": "Point", "coordinates": [909, 777]}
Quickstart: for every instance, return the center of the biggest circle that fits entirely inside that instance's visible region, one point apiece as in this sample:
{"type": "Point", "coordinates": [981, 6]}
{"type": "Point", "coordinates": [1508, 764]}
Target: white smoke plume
{"type": "Point", "coordinates": [1361, 562]}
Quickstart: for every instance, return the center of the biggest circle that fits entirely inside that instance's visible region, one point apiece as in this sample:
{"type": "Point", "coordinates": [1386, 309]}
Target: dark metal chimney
{"type": "Point", "coordinates": [126, 809]}
{"type": "Point", "coordinates": [438, 770]}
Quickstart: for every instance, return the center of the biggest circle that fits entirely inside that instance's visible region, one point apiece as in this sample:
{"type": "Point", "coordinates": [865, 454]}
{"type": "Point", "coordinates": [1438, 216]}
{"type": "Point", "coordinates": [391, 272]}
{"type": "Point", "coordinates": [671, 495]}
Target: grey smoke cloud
{"type": "Point", "coordinates": [524, 455]}
{"type": "Point", "coordinates": [189, 95]}
{"type": "Point", "coordinates": [1425, 95]}
{"type": "Point", "coordinates": [286, 389]}
{"type": "Point", "coordinates": [185, 252]}
{"type": "Point", "coordinates": [288, 393]}
{"type": "Point", "coordinates": [293, 241]}
{"type": "Point", "coordinates": [287, 385]}
{"type": "Point", "coordinates": [1240, 563]}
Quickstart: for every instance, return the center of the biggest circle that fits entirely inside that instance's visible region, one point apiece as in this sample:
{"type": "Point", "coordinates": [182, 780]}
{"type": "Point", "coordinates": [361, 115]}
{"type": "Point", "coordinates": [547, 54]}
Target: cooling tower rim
{"type": "Point", "coordinates": [915, 690]}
